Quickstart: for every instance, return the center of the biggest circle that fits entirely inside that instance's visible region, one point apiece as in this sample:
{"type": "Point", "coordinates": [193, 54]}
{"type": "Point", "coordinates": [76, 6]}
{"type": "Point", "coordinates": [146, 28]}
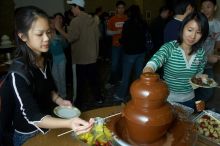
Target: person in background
{"type": "Point", "coordinates": [115, 25]}
{"type": "Point", "coordinates": [157, 27]}
{"type": "Point", "coordinates": [182, 59]}
{"type": "Point", "coordinates": [133, 45]}
{"type": "Point", "coordinates": [70, 73]}
{"type": "Point", "coordinates": [83, 34]}
{"type": "Point", "coordinates": [134, 51]}
{"type": "Point", "coordinates": [33, 103]}
{"type": "Point", "coordinates": [212, 44]}
{"type": "Point", "coordinates": [181, 9]}
{"type": "Point", "coordinates": [97, 14]}
{"type": "Point", "coordinates": [57, 46]}
{"type": "Point", "coordinates": [106, 40]}
{"type": "Point", "coordinates": [68, 16]}
{"type": "Point", "coordinates": [97, 18]}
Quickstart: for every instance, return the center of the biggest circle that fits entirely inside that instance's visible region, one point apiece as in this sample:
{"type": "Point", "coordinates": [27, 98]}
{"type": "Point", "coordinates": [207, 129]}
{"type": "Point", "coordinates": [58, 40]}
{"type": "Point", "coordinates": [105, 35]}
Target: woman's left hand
{"type": "Point", "coordinates": [213, 58]}
{"type": "Point", "coordinates": [66, 103]}
{"type": "Point", "coordinates": [62, 102]}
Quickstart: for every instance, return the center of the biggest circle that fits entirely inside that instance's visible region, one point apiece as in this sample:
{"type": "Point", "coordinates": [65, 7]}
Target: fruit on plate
{"type": "Point", "coordinates": [209, 127]}
{"type": "Point", "coordinates": [99, 135]}
{"type": "Point", "coordinates": [203, 81]}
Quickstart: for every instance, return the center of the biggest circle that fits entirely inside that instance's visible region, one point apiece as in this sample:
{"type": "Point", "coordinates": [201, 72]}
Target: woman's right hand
{"type": "Point", "coordinates": [200, 105]}
{"type": "Point", "coordinates": [147, 69]}
{"type": "Point", "coordinates": [81, 126]}
{"type": "Point", "coordinates": [213, 58]}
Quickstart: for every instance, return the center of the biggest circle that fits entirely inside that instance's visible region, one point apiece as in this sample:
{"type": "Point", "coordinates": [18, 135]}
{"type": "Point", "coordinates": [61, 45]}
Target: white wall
{"type": "Point", "coordinates": [50, 6]}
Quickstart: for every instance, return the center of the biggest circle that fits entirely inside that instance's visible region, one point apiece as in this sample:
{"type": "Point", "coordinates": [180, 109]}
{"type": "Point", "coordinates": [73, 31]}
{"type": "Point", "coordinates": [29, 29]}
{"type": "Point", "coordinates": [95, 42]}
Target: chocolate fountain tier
{"type": "Point", "coordinates": [148, 115]}
{"type": "Point", "coordinates": [149, 91]}
{"type": "Point", "coordinates": [147, 126]}
{"type": "Point", "coordinates": [181, 132]}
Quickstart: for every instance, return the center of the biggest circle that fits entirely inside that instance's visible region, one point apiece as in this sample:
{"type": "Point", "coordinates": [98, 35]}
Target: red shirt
{"type": "Point", "coordinates": [116, 23]}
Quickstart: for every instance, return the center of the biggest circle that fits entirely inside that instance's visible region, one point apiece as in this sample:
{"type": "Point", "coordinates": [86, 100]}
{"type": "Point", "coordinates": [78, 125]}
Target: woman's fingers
{"type": "Point", "coordinates": [82, 131]}
{"type": "Point", "coordinates": [79, 124]}
{"type": "Point", "coordinates": [67, 103]}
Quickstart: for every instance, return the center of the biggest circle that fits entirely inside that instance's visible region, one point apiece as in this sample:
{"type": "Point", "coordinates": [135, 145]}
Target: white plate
{"type": "Point", "coordinates": [66, 112]}
{"type": "Point", "coordinates": [214, 84]}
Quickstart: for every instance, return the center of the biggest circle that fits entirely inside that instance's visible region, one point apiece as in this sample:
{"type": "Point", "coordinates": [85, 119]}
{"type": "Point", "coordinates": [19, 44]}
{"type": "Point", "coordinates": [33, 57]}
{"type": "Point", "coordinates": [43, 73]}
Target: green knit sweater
{"type": "Point", "coordinates": [177, 70]}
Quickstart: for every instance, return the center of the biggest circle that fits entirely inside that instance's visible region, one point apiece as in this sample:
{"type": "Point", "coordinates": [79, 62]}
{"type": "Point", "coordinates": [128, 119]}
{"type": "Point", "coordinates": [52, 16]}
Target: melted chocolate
{"type": "Point", "coordinates": [181, 133]}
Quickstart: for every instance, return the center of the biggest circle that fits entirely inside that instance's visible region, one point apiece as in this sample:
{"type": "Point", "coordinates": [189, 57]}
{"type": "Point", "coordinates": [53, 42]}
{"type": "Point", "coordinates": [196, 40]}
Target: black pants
{"type": "Point", "coordinates": [87, 75]}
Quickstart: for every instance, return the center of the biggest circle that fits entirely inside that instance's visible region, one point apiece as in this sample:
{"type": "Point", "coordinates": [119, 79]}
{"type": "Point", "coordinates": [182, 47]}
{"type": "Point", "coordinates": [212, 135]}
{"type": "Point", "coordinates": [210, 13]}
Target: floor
{"type": "Point", "coordinates": [104, 74]}
{"type": "Point", "coordinates": [104, 70]}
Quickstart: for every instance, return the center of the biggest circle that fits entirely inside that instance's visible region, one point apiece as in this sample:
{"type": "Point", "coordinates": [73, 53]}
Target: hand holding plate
{"type": "Point", "coordinates": [65, 103]}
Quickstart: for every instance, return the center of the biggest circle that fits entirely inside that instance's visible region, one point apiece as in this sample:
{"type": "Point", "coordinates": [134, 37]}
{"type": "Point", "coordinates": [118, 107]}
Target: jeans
{"type": "Point", "coordinates": [189, 103]}
{"type": "Point", "coordinates": [130, 62]}
{"type": "Point", "coordinates": [205, 94]}
{"type": "Point", "coordinates": [20, 138]}
{"type": "Point", "coordinates": [116, 65]}
{"type": "Point", "coordinates": [74, 82]}
{"type": "Point", "coordinates": [59, 75]}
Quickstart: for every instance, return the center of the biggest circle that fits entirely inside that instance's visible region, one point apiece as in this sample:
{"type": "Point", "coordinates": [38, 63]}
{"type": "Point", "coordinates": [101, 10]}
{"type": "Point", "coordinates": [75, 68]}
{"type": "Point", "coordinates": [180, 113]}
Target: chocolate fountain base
{"type": "Point", "coordinates": [181, 133]}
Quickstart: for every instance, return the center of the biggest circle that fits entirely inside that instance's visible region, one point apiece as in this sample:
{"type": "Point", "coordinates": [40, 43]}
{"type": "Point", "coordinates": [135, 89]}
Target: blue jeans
{"type": "Point", "coordinates": [59, 75]}
{"type": "Point", "coordinates": [130, 62]}
{"type": "Point", "coordinates": [116, 64]}
{"type": "Point", "coordinates": [205, 94]}
{"type": "Point", "coordinates": [20, 138]}
{"type": "Point", "coordinates": [189, 103]}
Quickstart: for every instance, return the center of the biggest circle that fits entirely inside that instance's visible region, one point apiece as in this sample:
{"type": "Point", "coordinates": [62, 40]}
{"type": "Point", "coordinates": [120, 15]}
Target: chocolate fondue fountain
{"type": "Point", "coordinates": [149, 120]}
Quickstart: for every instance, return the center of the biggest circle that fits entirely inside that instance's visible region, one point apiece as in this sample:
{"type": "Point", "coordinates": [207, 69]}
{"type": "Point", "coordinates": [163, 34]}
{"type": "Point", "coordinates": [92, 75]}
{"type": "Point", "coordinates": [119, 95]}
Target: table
{"type": "Point", "coordinates": [51, 139]}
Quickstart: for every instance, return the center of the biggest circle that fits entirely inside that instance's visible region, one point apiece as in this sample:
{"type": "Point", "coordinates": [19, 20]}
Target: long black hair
{"type": "Point", "coordinates": [134, 15]}
{"type": "Point", "coordinates": [180, 6]}
{"type": "Point", "coordinates": [212, 1]}
{"type": "Point", "coordinates": [202, 22]}
{"type": "Point", "coordinates": [134, 12]}
{"type": "Point", "coordinates": [24, 18]}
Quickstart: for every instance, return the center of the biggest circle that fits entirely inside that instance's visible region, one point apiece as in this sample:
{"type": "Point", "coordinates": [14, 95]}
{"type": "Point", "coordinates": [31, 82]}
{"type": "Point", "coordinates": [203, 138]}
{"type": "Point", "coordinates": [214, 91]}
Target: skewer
{"type": "Point", "coordinates": [103, 118]}
{"type": "Point", "coordinates": [65, 133]}
{"type": "Point", "coordinates": [112, 116]}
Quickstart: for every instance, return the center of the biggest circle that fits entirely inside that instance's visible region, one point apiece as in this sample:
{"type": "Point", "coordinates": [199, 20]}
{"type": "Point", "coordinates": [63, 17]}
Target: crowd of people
{"type": "Point", "coordinates": [184, 40]}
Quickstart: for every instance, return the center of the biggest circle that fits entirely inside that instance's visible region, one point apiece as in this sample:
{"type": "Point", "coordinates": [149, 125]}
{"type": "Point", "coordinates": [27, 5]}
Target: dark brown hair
{"type": "Point", "coordinates": [24, 18]}
{"type": "Point", "coordinates": [202, 21]}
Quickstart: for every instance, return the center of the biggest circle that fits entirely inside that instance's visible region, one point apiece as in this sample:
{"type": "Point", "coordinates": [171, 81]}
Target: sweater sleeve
{"type": "Point", "coordinates": [161, 56]}
{"type": "Point", "coordinates": [74, 31]}
{"type": "Point", "coordinates": [27, 105]}
{"type": "Point", "coordinates": [203, 61]}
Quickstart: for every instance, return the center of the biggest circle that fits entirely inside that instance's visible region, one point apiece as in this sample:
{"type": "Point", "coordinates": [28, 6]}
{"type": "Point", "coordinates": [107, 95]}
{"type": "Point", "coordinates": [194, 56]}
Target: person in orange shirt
{"type": "Point", "coordinates": [114, 29]}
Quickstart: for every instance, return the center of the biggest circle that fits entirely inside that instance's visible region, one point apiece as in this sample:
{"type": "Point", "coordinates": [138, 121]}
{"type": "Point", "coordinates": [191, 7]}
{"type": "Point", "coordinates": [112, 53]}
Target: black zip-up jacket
{"type": "Point", "coordinates": [25, 104]}
{"type": "Point", "coordinates": [133, 38]}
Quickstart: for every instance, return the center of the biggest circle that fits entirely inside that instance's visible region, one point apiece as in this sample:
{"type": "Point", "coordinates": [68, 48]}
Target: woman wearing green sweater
{"type": "Point", "coordinates": [182, 59]}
